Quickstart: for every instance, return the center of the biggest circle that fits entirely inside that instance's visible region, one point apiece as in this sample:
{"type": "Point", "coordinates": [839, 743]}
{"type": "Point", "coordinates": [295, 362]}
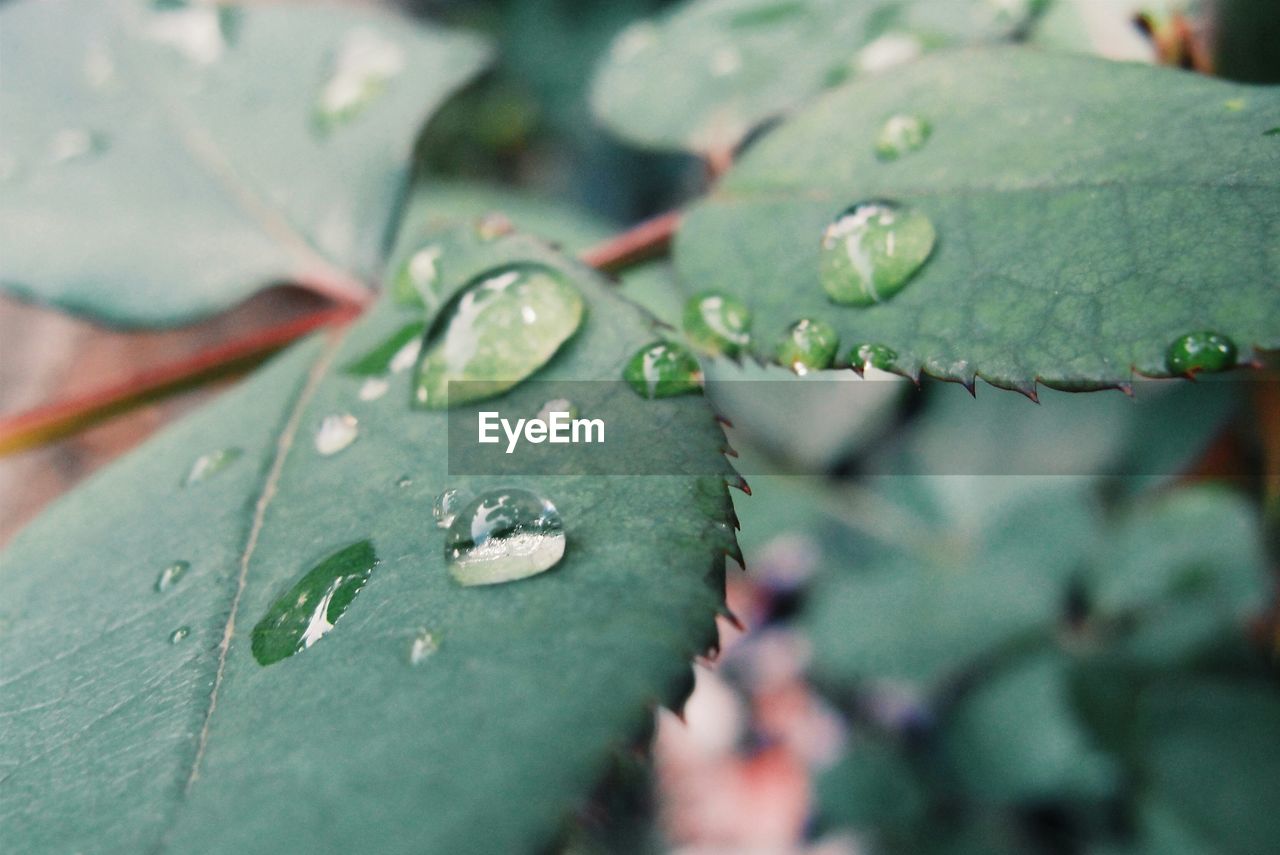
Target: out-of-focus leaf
{"type": "Point", "coordinates": [1080, 227]}
{"type": "Point", "coordinates": [708, 72]}
{"type": "Point", "coordinates": [161, 162]}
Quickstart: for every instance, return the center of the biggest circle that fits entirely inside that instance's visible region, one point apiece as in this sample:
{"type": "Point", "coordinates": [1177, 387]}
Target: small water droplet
{"type": "Point", "coordinates": [493, 225]}
{"type": "Point", "coordinates": [1205, 351]}
{"type": "Point", "coordinates": [374, 388]}
{"type": "Point", "coordinates": [503, 535]}
{"type": "Point", "coordinates": [1235, 105]}
{"type": "Point", "coordinates": [199, 32]}
{"type": "Point", "coordinates": [72, 144]}
{"type": "Point", "coordinates": [888, 51]}
{"type": "Point", "coordinates": [446, 506]}
{"type": "Point", "coordinates": [663, 370]}
{"type": "Point", "coordinates": [208, 465]}
{"type": "Point", "coordinates": [309, 610]}
{"type": "Point", "coordinates": [872, 250]}
{"type": "Point", "coordinates": [404, 481]}
{"type": "Point", "coordinates": [424, 644]}
{"type": "Point", "coordinates": [171, 575]}
{"type": "Point", "coordinates": [501, 328]}
{"type": "Point", "coordinates": [336, 432]}
{"type": "Point", "coordinates": [901, 134]}
{"type": "Point", "coordinates": [726, 61]}
{"type": "Point", "coordinates": [717, 324]}
{"type": "Point", "coordinates": [557, 405]}
{"type": "Point", "coordinates": [808, 345]}
{"type": "Point", "coordinates": [363, 67]}
{"type": "Point", "coordinates": [416, 281]}
{"type": "Point", "coordinates": [179, 634]}
{"type": "Point", "coordinates": [99, 67]}
{"type": "Point", "coordinates": [392, 355]}
{"type": "Point", "coordinates": [872, 356]}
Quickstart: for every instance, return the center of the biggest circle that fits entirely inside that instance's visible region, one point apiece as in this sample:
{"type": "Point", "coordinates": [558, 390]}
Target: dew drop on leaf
{"type": "Point", "coordinates": [71, 144]}
{"type": "Point", "coordinates": [1201, 351]}
{"type": "Point", "coordinates": [394, 354]}
{"type": "Point", "coordinates": [446, 505]}
{"type": "Point", "coordinates": [808, 345]}
{"type": "Point", "coordinates": [717, 324]}
{"type": "Point", "coordinates": [179, 634]}
{"type": "Point", "coordinates": [208, 465]}
{"type": "Point", "coordinates": [363, 67]}
{"type": "Point", "coordinates": [873, 356]}
{"type": "Point", "coordinates": [870, 252]}
{"type": "Point", "coordinates": [200, 33]}
{"type": "Point", "coordinates": [424, 644]}
{"type": "Point", "coordinates": [887, 51]}
{"type": "Point", "coordinates": [901, 134]}
{"type": "Point", "coordinates": [374, 388]}
{"type": "Point", "coordinates": [171, 575]}
{"type": "Point", "coordinates": [558, 405]}
{"type": "Point", "coordinates": [309, 610]}
{"type": "Point", "coordinates": [404, 481]}
{"type": "Point", "coordinates": [416, 281]}
{"type": "Point", "coordinates": [503, 535]}
{"type": "Point", "coordinates": [336, 432]}
{"type": "Point", "coordinates": [505, 325]}
{"type": "Point", "coordinates": [663, 369]}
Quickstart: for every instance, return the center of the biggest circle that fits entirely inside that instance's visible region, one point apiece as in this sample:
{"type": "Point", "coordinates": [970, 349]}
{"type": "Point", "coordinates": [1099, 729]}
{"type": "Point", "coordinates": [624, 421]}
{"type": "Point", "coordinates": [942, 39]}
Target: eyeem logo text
{"type": "Point", "coordinates": [557, 428]}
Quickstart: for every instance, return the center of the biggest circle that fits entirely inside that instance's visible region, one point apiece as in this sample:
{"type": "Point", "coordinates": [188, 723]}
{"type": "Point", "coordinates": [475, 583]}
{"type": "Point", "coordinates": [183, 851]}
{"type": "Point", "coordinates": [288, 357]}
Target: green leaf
{"type": "Point", "coordinates": [872, 786]}
{"type": "Point", "coordinates": [1015, 738]}
{"type": "Point", "coordinates": [994, 569]}
{"type": "Point", "coordinates": [163, 163]}
{"type": "Point", "coordinates": [417, 715]}
{"type": "Point", "coordinates": [1211, 760]}
{"type": "Point", "coordinates": [1082, 225]}
{"type": "Point", "coordinates": [707, 73]}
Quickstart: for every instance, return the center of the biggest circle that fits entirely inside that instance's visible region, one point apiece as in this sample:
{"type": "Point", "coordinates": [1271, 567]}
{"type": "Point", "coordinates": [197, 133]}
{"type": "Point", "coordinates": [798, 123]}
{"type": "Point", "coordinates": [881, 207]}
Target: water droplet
{"type": "Point", "coordinates": [416, 281]}
{"type": "Point", "coordinates": [76, 144]}
{"type": "Point", "coordinates": [99, 67]}
{"type": "Point", "coordinates": [718, 324]}
{"type": "Point", "coordinates": [901, 134]}
{"type": "Point", "coordinates": [808, 345]}
{"type": "Point", "coordinates": [1201, 351]}
{"type": "Point", "coordinates": [446, 506]}
{"type": "Point", "coordinates": [492, 226]}
{"type": "Point", "coordinates": [1235, 105]}
{"type": "Point", "coordinates": [424, 644]}
{"type": "Point", "coordinates": [404, 481]}
{"type": "Point", "coordinates": [504, 535]}
{"type": "Point", "coordinates": [889, 50]}
{"type": "Point", "coordinates": [179, 634]}
{"type": "Point", "coordinates": [872, 250]}
{"type": "Point", "coordinates": [394, 354]}
{"type": "Point", "coordinates": [199, 32]}
{"type": "Point", "coordinates": [363, 67]}
{"type": "Point", "coordinates": [873, 356]}
{"type": "Point", "coordinates": [663, 370]}
{"type": "Point", "coordinates": [171, 575]}
{"type": "Point", "coordinates": [309, 610]}
{"type": "Point", "coordinates": [374, 388]}
{"type": "Point", "coordinates": [558, 405]}
{"type": "Point", "coordinates": [726, 61]}
{"type": "Point", "coordinates": [336, 432]}
{"type": "Point", "coordinates": [502, 328]}
{"type": "Point", "coordinates": [208, 465]}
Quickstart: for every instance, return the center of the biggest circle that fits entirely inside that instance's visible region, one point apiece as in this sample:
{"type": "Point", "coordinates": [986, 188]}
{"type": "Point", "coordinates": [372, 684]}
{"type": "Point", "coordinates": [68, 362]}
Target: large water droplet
{"type": "Point", "coordinates": [171, 575]}
{"type": "Point", "coordinates": [180, 634]}
{"type": "Point", "coordinates": [363, 67]}
{"type": "Point", "coordinates": [663, 370]}
{"type": "Point", "coordinates": [446, 506]}
{"type": "Point", "coordinates": [309, 610]}
{"type": "Point", "coordinates": [1201, 351]}
{"type": "Point", "coordinates": [872, 356]}
{"type": "Point", "coordinates": [76, 144]}
{"type": "Point", "coordinates": [872, 250]}
{"type": "Point", "coordinates": [901, 134]}
{"type": "Point", "coordinates": [416, 281]}
{"type": "Point", "coordinates": [424, 645]}
{"type": "Point", "coordinates": [336, 432]}
{"type": "Point", "coordinates": [808, 345]}
{"type": "Point", "coordinates": [208, 465]}
{"type": "Point", "coordinates": [718, 324]}
{"type": "Point", "coordinates": [502, 328]}
{"type": "Point", "coordinates": [503, 535]}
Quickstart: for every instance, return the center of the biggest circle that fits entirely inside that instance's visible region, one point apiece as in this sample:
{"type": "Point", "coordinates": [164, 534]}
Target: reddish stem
{"type": "Point", "coordinates": [638, 243]}
{"type": "Point", "coordinates": [52, 421]}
